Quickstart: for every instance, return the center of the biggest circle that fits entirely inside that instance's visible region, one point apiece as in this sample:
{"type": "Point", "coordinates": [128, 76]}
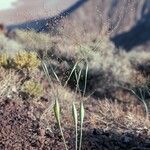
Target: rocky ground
{"type": "Point", "coordinates": [117, 94]}
{"type": "Point", "coordinates": [21, 130]}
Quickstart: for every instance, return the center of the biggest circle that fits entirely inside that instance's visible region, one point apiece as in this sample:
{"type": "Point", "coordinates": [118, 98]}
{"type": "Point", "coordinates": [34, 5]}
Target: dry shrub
{"type": "Point", "coordinates": [34, 41]}
{"type": "Point", "coordinates": [32, 88]}
{"type": "Point", "coordinates": [65, 97]}
{"type": "Point", "coordinates": [22, 68]}
{"type": "Point", "coordinates": [9, 83]}
{"type": "Point", "coordinates": [123, 117]}
{"type": "Point", "coordinates": [141, 62]}
{"type": "Point", "coordinates": [27, 60]}
{"type": "Point", "coordinates": [108, 66]}
{"type": "Point", "coordinates": [139, 57]}
{"type": "Point", "coordinates": [9, 46]}
{"type": "Point", "coordinates": [107, 63]}
{"type": "Point", "coordinates": [100, 18]}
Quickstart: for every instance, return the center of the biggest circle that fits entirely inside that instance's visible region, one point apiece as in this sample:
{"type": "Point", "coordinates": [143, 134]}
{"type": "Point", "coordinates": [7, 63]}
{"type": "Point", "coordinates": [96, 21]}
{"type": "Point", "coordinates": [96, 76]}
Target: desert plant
{"type": "Point", "coordinates": [75, 118]}
{"type": "Point", "coordinates": [140, 93]}
{"type": "Point", "coordinates": [3, 59]}
{"type": "Point", "coordinates": [32, 88]}
{"type": "Point", "coordinates": [74, 115]}
{"type": "Point", "coordinates": [33, 40]}
{"type": "Point", "coordinates": [81, 123]}
{"type": "Point", "coordinates": [57, 116]}
{"type": "Point", "coordinates": [56, 104]}
{"type": "Point", "coordinates": [74, 110]}
{"type": "Point", "coordinates": [26, 60]}
{"type": "Point", "coordinates": [9, 46]}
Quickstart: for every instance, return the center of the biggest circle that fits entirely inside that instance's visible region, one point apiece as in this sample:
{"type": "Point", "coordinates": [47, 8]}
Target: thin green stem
{"type": "Point", "coordinates": [81, 123]}
{"type": "Point", "coordinates": [142, 100]}
{"type": "Point", "coordinates": [76, 136]}
{"type": "Point", "coordinates": [80, 144]}
{"type": "Point", "coordinates": [64, 141]}
{"type": "Point", "coordinates": [86, 76]}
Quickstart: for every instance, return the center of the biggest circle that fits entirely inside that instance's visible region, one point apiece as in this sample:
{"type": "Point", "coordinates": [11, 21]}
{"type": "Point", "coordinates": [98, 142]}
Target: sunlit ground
{"type": "Point", "coordinates": [6, 4]}
{"type": "Point", "coordinates": [19, 11]}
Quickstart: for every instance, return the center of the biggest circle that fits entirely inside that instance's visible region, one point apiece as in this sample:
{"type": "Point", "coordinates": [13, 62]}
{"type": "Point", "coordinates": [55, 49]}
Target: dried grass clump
{"type": "Point", "coordinates": [26, 59]}
{"type": "Point", "coordinates": [3, 59]}
{"type": "Point", "coordinates": [104, 58]}
{"type": "Point", "coordinates": [17, 73]}
{"type": "Point", "coordinates": [65, 97]}
{"type": "Point", "coordinates": [8, 45]}
{"type": "Point", "coordinates": [20, 60]}
{"type": "Point", "coordinates": [9, 83]}
{"type": "Point", "coordinates": [107, 65]}
{"type": "Point", "coordinates": [139, 57]}
{"type": "Point", "coordinates": [33, 88]}
{"type": "Point", "coordinates": [141, 62]}
{"type": "Point", "coordinates": [110, 115]}
{"type": "Point", "coordinates": [33, 40]}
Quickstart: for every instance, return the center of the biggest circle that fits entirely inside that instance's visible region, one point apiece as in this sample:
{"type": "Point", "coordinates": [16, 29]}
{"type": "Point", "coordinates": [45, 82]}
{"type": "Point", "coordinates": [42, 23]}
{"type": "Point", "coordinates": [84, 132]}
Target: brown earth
{"type": "Point", "coordinates": [20, 129]}
{"type": "Point", "coordinates": [107, 124]}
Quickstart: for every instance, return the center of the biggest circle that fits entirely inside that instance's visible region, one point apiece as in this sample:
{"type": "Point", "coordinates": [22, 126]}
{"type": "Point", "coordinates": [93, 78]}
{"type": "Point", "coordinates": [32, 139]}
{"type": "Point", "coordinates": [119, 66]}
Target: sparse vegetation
{"type": "Point", "coordinates": [73, 90]}
{"type": "Point", "coordinates": [9, 45]}
{"type": "Point", "coordinates": [105, 69]}
{"type": "Point", "coordinates": [32, 88]}
{"type": "Point", "coordinates": [3, 59]}
{"type": "Point", "coordinates": [27, 60]}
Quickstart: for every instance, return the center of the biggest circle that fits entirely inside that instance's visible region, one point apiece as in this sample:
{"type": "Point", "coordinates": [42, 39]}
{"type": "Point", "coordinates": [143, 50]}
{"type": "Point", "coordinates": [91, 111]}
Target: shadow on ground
{"type": "Point", "coordinates": [20, 130]}
{"type": "Point", "coordinates": [137, 35]}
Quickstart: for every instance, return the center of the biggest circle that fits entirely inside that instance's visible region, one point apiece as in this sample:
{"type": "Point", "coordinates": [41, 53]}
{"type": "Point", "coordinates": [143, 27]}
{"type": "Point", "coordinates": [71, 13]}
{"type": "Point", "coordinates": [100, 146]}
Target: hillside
{"type": "Point", "coordinates": [24, 11]}
{"type": "Point", "coordinates": [120, 20]}
{"type": "Point", "coordinates": [70, 86]}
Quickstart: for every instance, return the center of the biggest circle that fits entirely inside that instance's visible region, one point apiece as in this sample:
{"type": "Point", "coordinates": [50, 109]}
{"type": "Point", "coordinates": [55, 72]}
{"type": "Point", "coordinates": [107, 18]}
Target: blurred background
{"type": "Point", "coordinates": [19, 11]}
{"type": "Point", "coordinates": [121, 20]}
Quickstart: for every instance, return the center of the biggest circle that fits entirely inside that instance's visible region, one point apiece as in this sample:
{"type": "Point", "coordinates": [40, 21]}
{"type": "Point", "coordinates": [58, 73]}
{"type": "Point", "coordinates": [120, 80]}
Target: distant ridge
{"type": "Point", "coordinates": [139, 34]}
{"type": "Point", "coordinates": [46, 24]}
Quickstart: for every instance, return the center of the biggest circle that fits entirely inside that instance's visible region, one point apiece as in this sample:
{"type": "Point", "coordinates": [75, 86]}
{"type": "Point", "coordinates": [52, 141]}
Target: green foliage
{"type": "Point", "coordinates": [57, 116]}
{"type": "Point", "coordinates": [74, 110]}
{"type": "Point", "coordinates": [75, 118]}
{"type": "Point", "coordinates": [74, 115]}
{"type": "Point", "coordinates": [81, 123]}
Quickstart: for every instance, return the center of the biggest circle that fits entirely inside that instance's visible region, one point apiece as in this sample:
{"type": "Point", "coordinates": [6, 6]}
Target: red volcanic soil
{"type": "Point", "coordinates": [21, 130]}
{"type": "Point", "coordinates": [27, 10]}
